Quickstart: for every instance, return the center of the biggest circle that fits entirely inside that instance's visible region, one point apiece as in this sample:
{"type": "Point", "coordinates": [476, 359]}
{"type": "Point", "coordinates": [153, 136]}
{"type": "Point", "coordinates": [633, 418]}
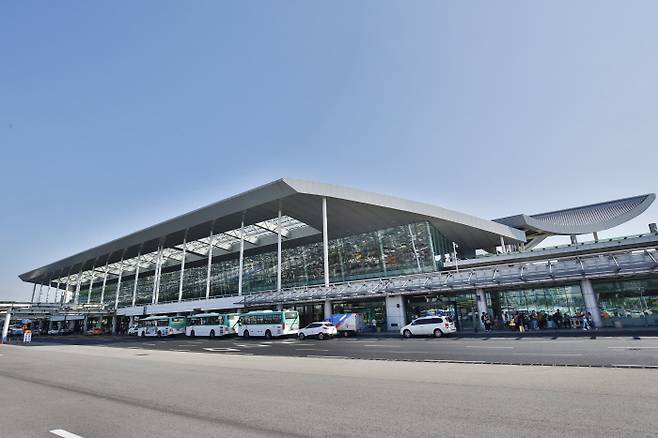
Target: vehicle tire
{"type": "Point", "coordinates": [407, 333]}
{"type": "Point", "coordinates": [438, 333]}
{"type": "Point", "coordinates": [321, 336]}
{"type": "Point", "coordinates": [212, 334]}
{"type": "Point", "coordinates": [268, 334]}
{"type": "Point", "coordinates": [346, 334]}
{"type": "Point", "coordinates": [143, 334]}
{"type": "Point", "coordinates": [301, 336]}
{"type": "Point", "coordinates": [245, 334]}
{"type": "Point", "coordinates": [192, 334]}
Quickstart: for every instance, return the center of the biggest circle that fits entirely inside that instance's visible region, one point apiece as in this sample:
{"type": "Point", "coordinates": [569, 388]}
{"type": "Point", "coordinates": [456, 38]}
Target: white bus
{"type": "Point", "coordinates": [161, 326]}
{"type": "Point", "coordinates": [212, 324]}
{"type": "Point", "coordinates": [268, 323]}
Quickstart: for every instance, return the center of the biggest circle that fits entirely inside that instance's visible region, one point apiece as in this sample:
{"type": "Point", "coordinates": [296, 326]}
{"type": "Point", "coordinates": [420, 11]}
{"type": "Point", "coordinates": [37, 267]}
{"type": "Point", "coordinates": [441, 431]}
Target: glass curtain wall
{"type": "Point", "coordinates": [405, 249]}
{"type": "Point", "coordinates": [542, 304]}
{"type": "Point", "coordinates": [628, 303]}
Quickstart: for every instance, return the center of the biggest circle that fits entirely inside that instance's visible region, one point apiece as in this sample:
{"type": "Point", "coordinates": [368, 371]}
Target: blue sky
{"type": "Point", "coordinates": [117, 115]}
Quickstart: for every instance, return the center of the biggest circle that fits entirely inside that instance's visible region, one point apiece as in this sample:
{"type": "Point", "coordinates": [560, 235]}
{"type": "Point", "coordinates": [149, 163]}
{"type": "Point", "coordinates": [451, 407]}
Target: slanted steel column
{"type": "Point", "coordinates": [156, 275]}
{"type": "Point", "coordinates": [413, 246]}
{"type": "Point", "coordinates": [91, 284]}
{"type": "Point", "coordinates": [68, 282]}
{"type": "Point", "coordinates": [34, 289]}
{"type": "Point", "coordinates": [241, 263]}
{"type": "Point", "coordinates": [182, 269]}
{"type": "Point", "coordinates": [48, 291]}
{"type": "Point", "coordinates": [116, 296]}
{"type": "Point", "coordinates": [211, 246]}
{"type": "Point", "coordinates": [382, 256]}
{"type": "Point", "coordinates": [104, 281]}
{"type": "Point", "coordinates": [278, 251]}
{"type": "Point", "coordinates": [76, 297]}
{"type": "Point", "coordinates": [139, 259]}
{"type": "Point", "coordinates": [40, 288]}
{"type": "Point", "coordinates": [432, 249]}
{"type": "Point", "coordinates": [325, 242]}
{"type": "Point", "coordinates": [502, 244]}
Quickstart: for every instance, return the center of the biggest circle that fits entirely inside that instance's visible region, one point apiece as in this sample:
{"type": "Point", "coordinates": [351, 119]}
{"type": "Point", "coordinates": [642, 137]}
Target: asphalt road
{"type": "Point", "coordinates": [95, 391]}
{"type": "Point", "coordinates": [601, 351]}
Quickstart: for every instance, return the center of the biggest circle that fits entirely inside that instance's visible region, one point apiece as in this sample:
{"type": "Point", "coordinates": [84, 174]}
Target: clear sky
{"type": "Point", "coordinates": [118, 115]}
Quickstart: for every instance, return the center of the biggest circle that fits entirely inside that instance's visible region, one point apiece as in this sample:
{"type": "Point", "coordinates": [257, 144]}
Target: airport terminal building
{"type": "Point", "coordinates": [323, 249]}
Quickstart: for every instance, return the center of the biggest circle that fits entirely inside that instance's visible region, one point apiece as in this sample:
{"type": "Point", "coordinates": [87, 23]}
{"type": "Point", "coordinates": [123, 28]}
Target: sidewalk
{"type": "Point", "coordinates": [547, 333]}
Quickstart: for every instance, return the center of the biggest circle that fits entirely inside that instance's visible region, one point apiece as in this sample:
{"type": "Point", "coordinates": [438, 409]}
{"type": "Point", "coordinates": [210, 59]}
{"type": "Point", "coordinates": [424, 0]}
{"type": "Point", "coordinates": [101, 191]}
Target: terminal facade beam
{"type": "Point", "coordinates": [182, 269]}
{"type": "Point", "coordinates": [139, 258]}
{"type": "Point", "coordinates": [325, 242]}
{"type": "Point", "coordinates": [241, 263]}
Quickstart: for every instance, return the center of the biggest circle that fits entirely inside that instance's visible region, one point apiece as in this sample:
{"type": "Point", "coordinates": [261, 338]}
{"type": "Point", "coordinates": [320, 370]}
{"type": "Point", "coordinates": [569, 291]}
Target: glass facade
{"type": "Point", "coordinates": [541, 303]}
{"type": "Point", "coordinates": [461, 307]}
{"type": "Point", "coordinates": [406, 249]}
{"type": "Point", "coordinates": [628, 303]}
{"type": "Point", "coordinates": [370, 309]}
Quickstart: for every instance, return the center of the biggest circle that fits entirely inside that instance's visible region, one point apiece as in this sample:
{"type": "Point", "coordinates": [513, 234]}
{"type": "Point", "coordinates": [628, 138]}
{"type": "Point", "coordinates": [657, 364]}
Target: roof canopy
{"type": "Point", "coordinates": [581, 220]}
{"type": "Point", "coordinates": [349, 212]}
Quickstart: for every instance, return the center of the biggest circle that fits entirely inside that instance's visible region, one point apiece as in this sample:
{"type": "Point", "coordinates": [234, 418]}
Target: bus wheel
{"type": "Point", "coordinates": [245, 334]}
{"type": "Point", "coordinates": [192, 333]}
{"type": "Point", "coordinates": [268, 334]}
{"type": "Point", "coordinates": [212, 333]}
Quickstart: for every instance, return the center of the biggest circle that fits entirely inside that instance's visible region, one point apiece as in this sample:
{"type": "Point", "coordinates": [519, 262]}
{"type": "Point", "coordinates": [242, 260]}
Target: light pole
{"type": "Point", "coordinates": [454, 249]}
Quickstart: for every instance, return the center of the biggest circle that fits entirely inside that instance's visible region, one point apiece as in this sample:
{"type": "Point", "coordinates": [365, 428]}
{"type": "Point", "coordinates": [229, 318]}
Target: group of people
{"type": "Point", "coordinates": [533, 320]}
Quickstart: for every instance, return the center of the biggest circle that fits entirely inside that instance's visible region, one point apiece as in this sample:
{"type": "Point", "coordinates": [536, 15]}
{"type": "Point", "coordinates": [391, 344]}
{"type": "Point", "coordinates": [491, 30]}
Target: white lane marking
{"type": "Point", "coordinates": [327, 356]}
{"type": "Point", "coordinates": [548, 354]}
{"type": "Point", "coordinates": [309, 349]}
{"type": "Point", "coordinates": [64, 434]}
{"type": "Point", "coordinates": [385, 346]}
{"type": "Point", "coordinates": [180, 351]}
{"type": "Point", "coordinates": [633, 348]}
{"type": "Point", "coordinates": [147, 343]}
{"type": "Point", "coordinates": [221, 350]}
{"type": "Point", "coordinates": [486, 346]}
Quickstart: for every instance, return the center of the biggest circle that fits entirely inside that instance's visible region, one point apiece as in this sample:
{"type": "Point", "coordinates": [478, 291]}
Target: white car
{"type": "Point", "coordinates": [436, 326]}
{"type": "Point", "coordinates": [132, 330]}
{"type": "Point", "coordinates": [321, 330]}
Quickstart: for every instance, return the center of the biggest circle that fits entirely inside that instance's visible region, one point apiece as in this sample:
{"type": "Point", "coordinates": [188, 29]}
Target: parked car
{"type": "Point", "coordinates": [62, 331]}
{"type": "Point", "coordinates": [321, 330]}
{"type": "Point", "coordinates": [95, 331]}
{"type": "Point", "coordinates": [436, 326]}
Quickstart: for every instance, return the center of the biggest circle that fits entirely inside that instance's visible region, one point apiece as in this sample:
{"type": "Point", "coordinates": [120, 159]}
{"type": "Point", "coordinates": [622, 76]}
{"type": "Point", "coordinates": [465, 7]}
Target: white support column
{"type": "Point", "coordinates": [48, 292]}
{"type": "Point", "coordinates": [502, 245]}
{"type": "Point", "coordinates": [210, 250]}
{"type": "Point", "coordinates": [382, 256]}
{"type": "Point", "coordinates": [182, 270]}
{"type": "Point", "coordinates": [76, 297]}
{"type": "Point", "coordinates": [591, 306]}
{"type": "Point", "coordinates": [156, 277]}
{"type": "Point", "coordinates": [278, 252]}
{"type": "Point", "coordinates": [34, 290]}
{"type": "Point", "coordinates": [241, 263]}
{"type": "Point", "coordinates": [481, 300]}
{"type": "Point", "coordinates": [40, 288]}
{"type": "Point", "coordinates": [139, 259]}
{"type": "Point", "coordinates": [395, 314]}
{"type": "Point", "coordinates": [5, 326]}
{"type": "Point", "coordinates": [432, 250]}
{"type": "Point", "coordinates": [328, 311]}
{"type": "Point", "coordinates": [116, 295]}
{"type": "Point", "coordinates": [91, 285]}
{"type": "Point", "coordinates": [325, 242]}
{"type": "Point", "coordinates": [104, 282]}
{"type": "Point", "coordinates": [413, 246]}
{"type": "Point", "coordinates": [66, 288]}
